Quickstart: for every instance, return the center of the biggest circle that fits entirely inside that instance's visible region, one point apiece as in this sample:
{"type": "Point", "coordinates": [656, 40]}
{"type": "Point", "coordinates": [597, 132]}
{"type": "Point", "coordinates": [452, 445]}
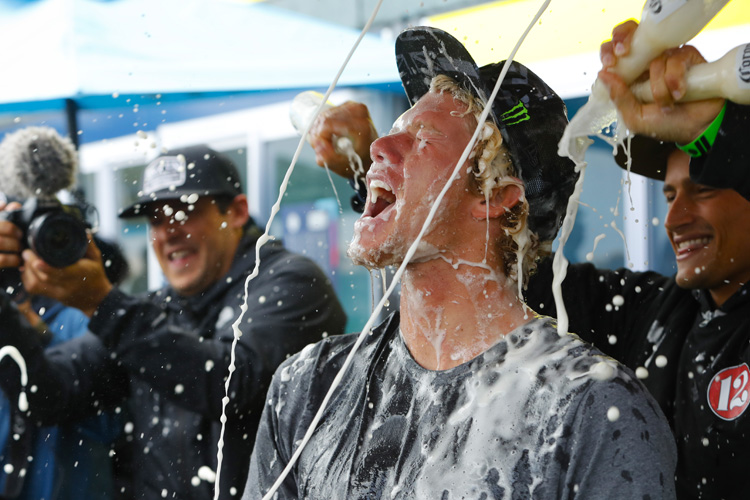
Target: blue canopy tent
{"type": "Point", "coordinates": [98, 69]}
{"type": "Point", "coordinates": [138, 56]}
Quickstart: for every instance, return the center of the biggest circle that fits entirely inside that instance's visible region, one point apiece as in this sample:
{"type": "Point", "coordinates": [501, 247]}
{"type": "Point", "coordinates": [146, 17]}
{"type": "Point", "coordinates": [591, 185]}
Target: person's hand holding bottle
{"type": "Point", "coordinates": [350, 120]}
{"type": "Point", "coordinates": [667, 117]}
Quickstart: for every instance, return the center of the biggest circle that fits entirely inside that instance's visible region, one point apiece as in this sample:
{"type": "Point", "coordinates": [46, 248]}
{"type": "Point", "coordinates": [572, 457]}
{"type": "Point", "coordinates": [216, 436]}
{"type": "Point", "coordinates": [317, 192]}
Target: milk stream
{"type": "Point", "coordinates": [15, 355]}
{"type": "Point", "coordinates": [664, 24]}
{"type": "Point", "coordinates": [397, 275]}
{"type": "Point", "coordinates": [264, 238]}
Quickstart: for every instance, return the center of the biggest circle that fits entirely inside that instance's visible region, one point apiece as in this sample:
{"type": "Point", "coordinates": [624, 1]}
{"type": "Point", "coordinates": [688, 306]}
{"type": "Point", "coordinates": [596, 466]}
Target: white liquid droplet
{"type": "Point", "coordinates": [613, 414]}
{"type": "Point", "coordinates": [602, 371]}
{"type": "Point", "coordinates": [207, 474]}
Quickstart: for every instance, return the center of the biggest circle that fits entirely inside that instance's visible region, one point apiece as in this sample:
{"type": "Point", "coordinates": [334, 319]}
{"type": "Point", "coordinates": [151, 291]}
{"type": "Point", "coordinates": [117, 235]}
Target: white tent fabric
{"type": "Point", "coordinates": [67, 48]}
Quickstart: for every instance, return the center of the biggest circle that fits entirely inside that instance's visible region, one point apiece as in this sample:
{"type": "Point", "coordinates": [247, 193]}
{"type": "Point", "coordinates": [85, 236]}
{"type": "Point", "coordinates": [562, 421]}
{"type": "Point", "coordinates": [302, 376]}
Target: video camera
{"type": "Point", "coordinates": [54, 231]}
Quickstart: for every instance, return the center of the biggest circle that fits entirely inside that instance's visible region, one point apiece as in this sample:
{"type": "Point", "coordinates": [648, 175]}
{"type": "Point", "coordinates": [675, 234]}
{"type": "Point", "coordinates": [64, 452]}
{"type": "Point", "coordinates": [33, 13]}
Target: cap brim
{"type": "Point", "coordinates": [648, 157]}
{"type": "Point", "coordinates": [423, 53]}
{"type": "Point", "coordinates": [140, 207]}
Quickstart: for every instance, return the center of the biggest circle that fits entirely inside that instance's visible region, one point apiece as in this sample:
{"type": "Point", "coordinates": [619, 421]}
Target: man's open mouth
{"type": "Point", "coordinates": [381, 197]}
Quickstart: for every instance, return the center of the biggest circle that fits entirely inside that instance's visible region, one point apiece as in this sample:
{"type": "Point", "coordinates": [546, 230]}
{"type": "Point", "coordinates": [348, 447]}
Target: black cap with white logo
{"type": "Point", "coordinates": [179, 174]}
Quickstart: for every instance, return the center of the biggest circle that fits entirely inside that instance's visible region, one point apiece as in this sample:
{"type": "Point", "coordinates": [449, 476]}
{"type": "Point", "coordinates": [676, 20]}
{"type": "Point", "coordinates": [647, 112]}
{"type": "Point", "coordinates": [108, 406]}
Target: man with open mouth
{"type": "Point", "coordinates": [466, 393]}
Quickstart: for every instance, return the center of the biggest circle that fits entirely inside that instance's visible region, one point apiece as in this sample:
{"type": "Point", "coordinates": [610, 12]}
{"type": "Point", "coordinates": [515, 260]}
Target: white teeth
{"type": "Point", "coordinates": [697, 241]}
{"type": "Point", "coordinates": [379, 185]}
{"type": "Point", "coordinates": [178, 255]}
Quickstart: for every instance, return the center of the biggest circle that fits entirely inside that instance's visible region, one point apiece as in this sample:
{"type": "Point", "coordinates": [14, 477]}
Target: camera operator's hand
{"type": "Point", "coordinates": [667, 118]}
{"type": "Point", "coordinates": [350, 120]}
{"type": "Point", "coordinates": [10, 239]}
{"type": "Point", "coordinates": [10, 258]}
{"type": "Point", "coordinates": [83, 285]}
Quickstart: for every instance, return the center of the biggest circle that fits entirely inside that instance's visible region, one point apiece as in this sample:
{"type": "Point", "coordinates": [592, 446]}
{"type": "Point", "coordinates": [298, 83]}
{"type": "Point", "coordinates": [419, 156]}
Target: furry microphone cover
{"type": "Point", "coordinates": [36, 162]}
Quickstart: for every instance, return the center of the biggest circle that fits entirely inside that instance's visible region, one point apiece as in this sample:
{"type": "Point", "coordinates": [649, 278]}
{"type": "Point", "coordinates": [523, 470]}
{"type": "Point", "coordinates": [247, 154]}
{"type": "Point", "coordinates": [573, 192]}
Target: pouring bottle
{"type": "Point", "coordinates": [304, 107]}
{"type": "Point", "coordinates": [728, 77]}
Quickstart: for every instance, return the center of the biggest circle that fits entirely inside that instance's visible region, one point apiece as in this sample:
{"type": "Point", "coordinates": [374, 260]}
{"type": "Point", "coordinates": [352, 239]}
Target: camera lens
{"type": "Point", "coordinates": [58, 238]}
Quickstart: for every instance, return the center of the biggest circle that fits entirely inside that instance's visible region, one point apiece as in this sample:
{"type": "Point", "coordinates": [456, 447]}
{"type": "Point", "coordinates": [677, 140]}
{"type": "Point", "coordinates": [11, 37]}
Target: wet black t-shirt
{"type": "Point", "coordinates": [536, 416]}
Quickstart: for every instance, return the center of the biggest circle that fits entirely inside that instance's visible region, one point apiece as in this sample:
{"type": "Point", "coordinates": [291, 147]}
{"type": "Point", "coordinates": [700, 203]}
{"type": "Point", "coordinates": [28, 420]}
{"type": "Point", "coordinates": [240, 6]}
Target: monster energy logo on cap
{"type": "Point", "coordinates": [515, 115]}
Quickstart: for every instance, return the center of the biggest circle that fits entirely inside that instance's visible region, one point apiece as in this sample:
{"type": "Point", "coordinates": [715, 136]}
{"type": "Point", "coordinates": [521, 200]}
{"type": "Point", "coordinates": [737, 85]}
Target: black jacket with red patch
{"type": "Point", "coordinates": [697, 356]}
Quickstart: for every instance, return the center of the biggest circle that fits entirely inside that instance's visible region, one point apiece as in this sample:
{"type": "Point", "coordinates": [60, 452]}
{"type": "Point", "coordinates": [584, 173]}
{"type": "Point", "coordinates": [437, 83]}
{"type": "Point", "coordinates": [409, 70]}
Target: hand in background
{"type": "Point", "coordinates": [10, 239]}
{"type": "Point", "coordinates": [349, 120]}
{"type": "Point", "coordinates": [667, 118]}
{"type": "Point", "coordinates": [82, 285]}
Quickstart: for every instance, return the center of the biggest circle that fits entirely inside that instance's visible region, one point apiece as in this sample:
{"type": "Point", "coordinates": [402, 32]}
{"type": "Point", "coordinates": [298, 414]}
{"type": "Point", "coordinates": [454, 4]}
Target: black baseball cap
{"type": "Point", "coordinates": [195, 170]}
{"type": "Point", "coordinates": [529, 114]}
{"type": "Point", "coordinates": [648, 156]}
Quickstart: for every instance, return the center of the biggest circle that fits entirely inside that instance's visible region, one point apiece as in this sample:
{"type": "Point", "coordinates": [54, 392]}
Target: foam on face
{"type": "Point", "coordinates": [391, 251]}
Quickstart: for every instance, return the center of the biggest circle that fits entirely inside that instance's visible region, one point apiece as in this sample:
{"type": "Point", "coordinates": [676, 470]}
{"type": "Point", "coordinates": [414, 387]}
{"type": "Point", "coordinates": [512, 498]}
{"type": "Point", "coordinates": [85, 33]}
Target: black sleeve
{"type": "Point", "coordinates": [727, 164]}
{"type": "Point", "coordinates": [622, 456]}
{"type": "Point", "coordinates": [274, 445]}
{"type": "Point", "coordinates": [66, 383]}
{"type": "Point", "coordinates": [603, 306]}
{"type": "Point", "coordinates": [290, 304]}
{"type": "Point", "coordinates": [299, 387]}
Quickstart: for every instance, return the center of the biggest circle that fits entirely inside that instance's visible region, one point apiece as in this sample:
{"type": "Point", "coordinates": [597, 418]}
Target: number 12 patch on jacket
{"type": "Point", "coordinates": [728, 392]}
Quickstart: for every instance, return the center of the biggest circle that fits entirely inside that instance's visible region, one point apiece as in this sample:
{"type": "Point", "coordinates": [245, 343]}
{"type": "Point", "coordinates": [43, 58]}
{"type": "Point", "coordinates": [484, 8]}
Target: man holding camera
{"type": "Point", "coordinates": [167, 354]}
{"type": "Point", "coordinates": [70, 461]}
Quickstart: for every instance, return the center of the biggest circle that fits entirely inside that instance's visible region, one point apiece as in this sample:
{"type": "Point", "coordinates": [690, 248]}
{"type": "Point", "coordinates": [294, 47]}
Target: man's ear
{"type": "Point", "coordinates": [238, 211]}
{"type": "Point", "coordinates": [503, 199]}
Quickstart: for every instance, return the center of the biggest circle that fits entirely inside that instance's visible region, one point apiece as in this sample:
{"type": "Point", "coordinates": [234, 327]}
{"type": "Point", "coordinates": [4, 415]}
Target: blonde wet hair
{"type": "Point", "coordinates": [493, 169]}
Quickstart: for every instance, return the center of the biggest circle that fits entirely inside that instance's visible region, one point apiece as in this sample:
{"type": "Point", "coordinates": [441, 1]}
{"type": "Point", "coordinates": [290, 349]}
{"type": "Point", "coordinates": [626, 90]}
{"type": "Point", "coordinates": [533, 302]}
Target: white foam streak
{"type": "Point", "coordinates": [274, 211]}
{"type": "Point", "coordinates": [412, 249]}
{"type": "Point", "coordinates": [15, 355]}
{"type": "Point", "coordinates": [560, 263]}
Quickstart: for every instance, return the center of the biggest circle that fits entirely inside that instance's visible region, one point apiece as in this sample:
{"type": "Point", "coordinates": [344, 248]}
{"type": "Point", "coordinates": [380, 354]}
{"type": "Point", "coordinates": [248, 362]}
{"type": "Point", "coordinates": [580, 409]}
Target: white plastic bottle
{"type": "Point", "coordinates": [303, 109]}
{"type": "Point", "coordinates": [665, 24]}
{"type": "Point", "coordinates": [728, 77]}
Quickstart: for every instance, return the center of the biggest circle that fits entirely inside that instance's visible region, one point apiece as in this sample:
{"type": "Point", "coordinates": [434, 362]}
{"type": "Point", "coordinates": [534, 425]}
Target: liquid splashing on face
{"type": "Point", "coordinates": [368, 326]}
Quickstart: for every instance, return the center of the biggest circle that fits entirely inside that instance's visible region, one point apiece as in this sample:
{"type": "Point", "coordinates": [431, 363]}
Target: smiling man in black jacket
{"type": "Point", "coordinates": [166, 355]}
{"type": "Point", "coordinates": [687, 336]}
